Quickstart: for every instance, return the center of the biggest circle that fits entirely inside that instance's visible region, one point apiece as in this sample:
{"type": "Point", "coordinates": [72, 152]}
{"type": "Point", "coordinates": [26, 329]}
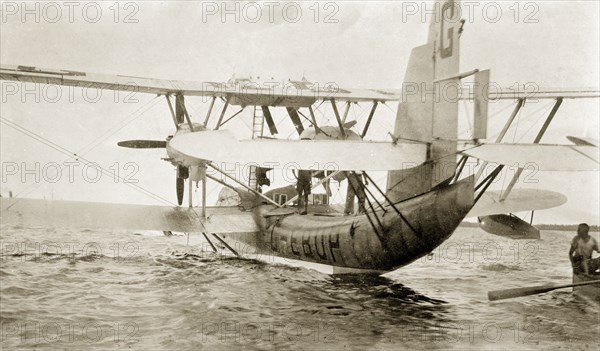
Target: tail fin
{"type": "Point", "coordinates": [428, 111]}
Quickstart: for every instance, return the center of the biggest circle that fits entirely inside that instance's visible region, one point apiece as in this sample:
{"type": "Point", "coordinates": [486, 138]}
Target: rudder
{"type": "Point", "coordinates": [428, 111]}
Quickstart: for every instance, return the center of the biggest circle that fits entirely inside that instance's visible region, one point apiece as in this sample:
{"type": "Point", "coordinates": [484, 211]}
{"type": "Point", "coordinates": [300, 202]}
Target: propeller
{"type": "Point", "coordinates": [179, 186]}
{"type": "Point", "coordinates": [143, 144]}
{"type": "Point", "coordinates": [179, 114]}
{"type": "Point", "coordinates": [183, 173]}
{"type": "Point", "coordinates": [349, 124]}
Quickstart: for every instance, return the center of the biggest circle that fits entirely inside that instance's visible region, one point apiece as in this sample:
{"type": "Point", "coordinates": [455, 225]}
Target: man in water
{"type": "Point", "coordinates": [580, 253]}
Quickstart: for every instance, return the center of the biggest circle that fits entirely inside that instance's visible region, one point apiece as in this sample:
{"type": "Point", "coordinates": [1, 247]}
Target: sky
{"type": "Point", "coordinates": [353, 44]}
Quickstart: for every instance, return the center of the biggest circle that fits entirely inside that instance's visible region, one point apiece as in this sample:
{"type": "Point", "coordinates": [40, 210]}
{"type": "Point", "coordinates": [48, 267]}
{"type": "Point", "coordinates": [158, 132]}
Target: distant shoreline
{"type": "Point", "coordinates": [561, 227]}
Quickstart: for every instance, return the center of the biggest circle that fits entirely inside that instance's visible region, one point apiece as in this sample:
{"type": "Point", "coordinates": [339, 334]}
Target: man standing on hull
{"type": "Point", "coordinates": [303, 188]}
{"type": "Point", "coordinates": [356, 188]}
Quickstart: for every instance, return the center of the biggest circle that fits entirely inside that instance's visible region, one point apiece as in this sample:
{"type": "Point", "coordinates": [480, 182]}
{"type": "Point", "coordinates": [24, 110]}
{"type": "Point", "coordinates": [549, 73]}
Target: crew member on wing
{"type": "Point", "coordinates": [580, 253]}
{"type": "Point", "coordinates": [356, 187]}
{"type": "Point", "coordinates": [303, 187]}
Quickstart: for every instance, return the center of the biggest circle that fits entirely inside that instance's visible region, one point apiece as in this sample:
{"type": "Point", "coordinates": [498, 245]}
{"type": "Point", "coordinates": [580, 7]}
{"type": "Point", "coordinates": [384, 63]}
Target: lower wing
{"type": "Point", "coordinates": [221, 146]}
{"type": "Point", "coordinates": [544, 157]}
{"type": "Point", "coordinates": [75, 214]}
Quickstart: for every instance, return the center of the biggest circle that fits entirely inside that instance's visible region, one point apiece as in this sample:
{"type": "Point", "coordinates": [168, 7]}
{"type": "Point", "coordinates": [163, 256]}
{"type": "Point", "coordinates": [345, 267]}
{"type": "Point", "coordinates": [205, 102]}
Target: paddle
{"type": "Point", "coordinates": [532, 290]}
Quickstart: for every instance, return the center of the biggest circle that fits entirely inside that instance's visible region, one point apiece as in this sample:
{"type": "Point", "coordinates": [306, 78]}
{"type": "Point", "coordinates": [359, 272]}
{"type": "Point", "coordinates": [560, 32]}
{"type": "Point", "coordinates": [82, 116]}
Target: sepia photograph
{"type": "Point", "coordinates": [300, 175]}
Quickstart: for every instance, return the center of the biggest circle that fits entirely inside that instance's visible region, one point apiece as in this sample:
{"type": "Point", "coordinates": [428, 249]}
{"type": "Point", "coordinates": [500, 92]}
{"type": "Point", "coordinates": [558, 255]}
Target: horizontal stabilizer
{"type": "Point", "coordinates": [543, 157]}
{"type": "Point", "coordinates": [95, 215]}
{"type": "Point", "coordinates": [519, 200]}
{"type": "Point", "coordinates": [583, 141]}
{"type": "Point", "coordinates": [221, 146]}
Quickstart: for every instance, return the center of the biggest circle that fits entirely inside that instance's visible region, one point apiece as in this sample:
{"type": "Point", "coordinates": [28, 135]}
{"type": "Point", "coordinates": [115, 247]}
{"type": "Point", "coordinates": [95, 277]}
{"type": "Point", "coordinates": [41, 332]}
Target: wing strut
{"type": "Point", "coordinates": [514, 113]}
{"type": "Point", "coordinates": [203, 178]}
{"type": "Point", "coordinates": [486, 182]}
{"type": "Point", "coordinates": [374, 198]}
{"type": "Point", "coordinates": [350, 184]}
{"type": "Point", "coordinates": [172, 111]}
{"type": "Point", "coordinates": [346, 112]}
{"type": "Point", "coordinates": [314, 120]}
{"type": "Point", "coordinates": [387, 199]}
{"type": "Point", "coordinates": [536, 141]}
{"type": "Point", "coordinates": [210, 242]}
{"type": "Point", "coordinates": [242, 184]}
{"type": "Point", "coordinates": [190, 192]}
{"type": "Point", "coordinates": [295, 119]}
{"type": "Point", "coordinates": [222, 113]}
{"type": "Point", "coordinates": [369, 119]}
{"type": "Point", "coordinates": [460, 166]}
{"type": "Point", "coordinates": [225, 244]}
{"type": "Point", "coordinates": [269, 120]}
{"type": "Point", "coordinates": [337, 117]}
{"type": "Point", "coordinates": [209, 112]}
{"type": "Point", "coordinates": [181, 111]}
{"type": "Point", "coordinates": [232, 116]}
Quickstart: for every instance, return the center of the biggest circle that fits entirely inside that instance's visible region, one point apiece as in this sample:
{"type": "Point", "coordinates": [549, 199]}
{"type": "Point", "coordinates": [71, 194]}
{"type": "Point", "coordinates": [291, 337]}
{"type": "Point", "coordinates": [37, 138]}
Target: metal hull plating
{"type": "Point", "coordinates": [359, 242]}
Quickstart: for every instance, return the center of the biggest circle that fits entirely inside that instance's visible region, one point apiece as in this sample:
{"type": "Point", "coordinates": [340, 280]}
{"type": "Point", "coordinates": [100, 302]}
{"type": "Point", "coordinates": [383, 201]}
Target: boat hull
{"type": "Point", "coordinates": [378, 241]}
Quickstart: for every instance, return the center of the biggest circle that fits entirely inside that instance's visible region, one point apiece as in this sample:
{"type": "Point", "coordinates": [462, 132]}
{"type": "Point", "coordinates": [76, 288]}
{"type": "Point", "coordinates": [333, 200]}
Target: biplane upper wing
{"type": "Point", "coordinates": [543, 157]}
{"type": "Point", "coordinates": [33, 212]}
{"type": "Point", "coordinates": [221, 146]}
{"type": "Point", "coordinates": [533, 92]}
{"type": "Point", "coordinates": [519, 200]}
{"type": "Point", "coordinates": [289, 93]}
{"type": "Point", "coordinates": [274, 93]}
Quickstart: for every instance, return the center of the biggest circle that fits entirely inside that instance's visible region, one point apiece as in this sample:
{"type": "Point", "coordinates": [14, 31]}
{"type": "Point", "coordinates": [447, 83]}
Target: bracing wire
{"type": "Point", "coordinates": [77, 157]}
{"type": "Point", "coordinates": [118, 126]}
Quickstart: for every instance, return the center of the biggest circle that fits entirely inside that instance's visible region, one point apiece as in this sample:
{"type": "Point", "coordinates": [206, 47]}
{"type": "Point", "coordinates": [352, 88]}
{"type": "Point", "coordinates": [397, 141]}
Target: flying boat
{"type": "Point", "coordinates": [427, 193]}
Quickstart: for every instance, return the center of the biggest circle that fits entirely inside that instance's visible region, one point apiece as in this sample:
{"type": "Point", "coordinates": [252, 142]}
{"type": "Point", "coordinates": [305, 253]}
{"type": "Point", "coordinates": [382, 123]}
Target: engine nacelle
{"type": "Point", "coordinates": [508, 226]}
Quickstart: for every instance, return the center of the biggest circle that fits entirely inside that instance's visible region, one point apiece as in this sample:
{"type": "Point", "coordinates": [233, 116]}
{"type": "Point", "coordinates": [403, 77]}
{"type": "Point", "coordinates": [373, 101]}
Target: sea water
{"type": "Point", "coordinates": [103, 290]}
